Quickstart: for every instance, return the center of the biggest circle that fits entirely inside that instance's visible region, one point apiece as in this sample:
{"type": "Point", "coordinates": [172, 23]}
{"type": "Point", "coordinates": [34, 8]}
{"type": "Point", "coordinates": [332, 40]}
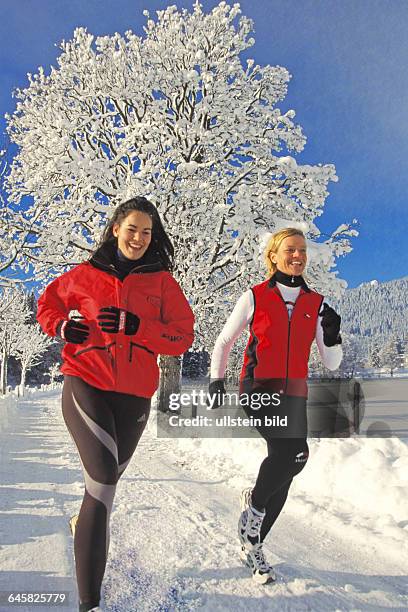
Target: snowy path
{"type": "Point", "coordinates": [173, 543]}
{"type": "Point", "coordinates": [38, 483]}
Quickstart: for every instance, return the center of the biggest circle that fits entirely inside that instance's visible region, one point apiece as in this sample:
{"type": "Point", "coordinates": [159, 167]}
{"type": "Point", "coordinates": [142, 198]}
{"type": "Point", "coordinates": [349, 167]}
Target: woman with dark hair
{"type": "Point", "coordinates": [284, 317]}
{"type": "Point", "coordinates": [130, 310]}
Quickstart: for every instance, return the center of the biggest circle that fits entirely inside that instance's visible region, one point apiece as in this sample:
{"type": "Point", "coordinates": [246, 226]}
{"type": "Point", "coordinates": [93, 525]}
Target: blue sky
{"type": "Point", "coordinates": [349, 87]}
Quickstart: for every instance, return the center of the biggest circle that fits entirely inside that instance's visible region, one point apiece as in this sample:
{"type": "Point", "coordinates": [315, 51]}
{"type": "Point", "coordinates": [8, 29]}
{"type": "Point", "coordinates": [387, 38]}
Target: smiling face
{"type": "Point", "coordinates": [134, 234]}
{"type": "Point", "coordinates": [291, 257]}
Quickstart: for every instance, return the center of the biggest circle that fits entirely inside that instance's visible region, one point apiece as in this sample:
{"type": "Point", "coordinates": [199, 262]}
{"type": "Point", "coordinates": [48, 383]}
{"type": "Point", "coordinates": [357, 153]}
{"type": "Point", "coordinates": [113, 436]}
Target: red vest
{"type": "Point", "coordinates": [278, 350]}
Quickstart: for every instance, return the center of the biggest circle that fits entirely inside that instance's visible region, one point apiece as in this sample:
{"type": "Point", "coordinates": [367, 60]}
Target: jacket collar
{"type": "Point", "coordinates": [303, 286]}
{"type": "Point", "coordinates": [105, 258]}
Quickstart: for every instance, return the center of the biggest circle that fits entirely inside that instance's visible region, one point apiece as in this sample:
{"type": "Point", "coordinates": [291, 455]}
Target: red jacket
{"type": "Point", "coordinates": [116, 362]}
{"type": "Point", "coordinates": [278, 350]}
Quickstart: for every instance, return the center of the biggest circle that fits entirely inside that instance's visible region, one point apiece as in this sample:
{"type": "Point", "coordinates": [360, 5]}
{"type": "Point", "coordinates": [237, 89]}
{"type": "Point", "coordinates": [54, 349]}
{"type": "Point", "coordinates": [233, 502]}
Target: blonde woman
{"type": "Point", "coordinates": [284, 316]}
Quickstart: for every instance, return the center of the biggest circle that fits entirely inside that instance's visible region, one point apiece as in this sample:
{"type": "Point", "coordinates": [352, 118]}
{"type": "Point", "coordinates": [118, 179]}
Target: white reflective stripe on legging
{"type": "Point", "coordinates": [124, 465]}
{"type": "Point", "coordinates": [105, 494]}
{"type": "Point", "coordinates": [100, 433]}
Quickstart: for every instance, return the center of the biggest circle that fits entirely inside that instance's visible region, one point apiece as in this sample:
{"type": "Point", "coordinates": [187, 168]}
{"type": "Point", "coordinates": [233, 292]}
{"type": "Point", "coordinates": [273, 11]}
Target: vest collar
{"type": "Point", "coordinates": [303, 286]}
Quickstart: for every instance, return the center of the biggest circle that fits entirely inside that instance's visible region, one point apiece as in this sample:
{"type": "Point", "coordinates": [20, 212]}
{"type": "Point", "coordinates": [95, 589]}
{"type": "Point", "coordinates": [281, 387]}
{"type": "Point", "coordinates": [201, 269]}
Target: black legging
{"type": "Point", "coordinates": [106, 427]}
{"type": "Point", "coordinates": [287, 456]}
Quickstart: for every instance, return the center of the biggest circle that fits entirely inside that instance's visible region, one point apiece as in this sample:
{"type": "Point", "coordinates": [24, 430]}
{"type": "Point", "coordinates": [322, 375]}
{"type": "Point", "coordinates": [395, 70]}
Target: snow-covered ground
{"type": "Point", "coordinates": [340, 544]}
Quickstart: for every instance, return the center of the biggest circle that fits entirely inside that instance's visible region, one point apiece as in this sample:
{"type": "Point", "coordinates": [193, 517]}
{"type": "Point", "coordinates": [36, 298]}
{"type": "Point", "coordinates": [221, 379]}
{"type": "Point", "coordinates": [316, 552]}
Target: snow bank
{"type": "Point", "coordinates": [8, 405]}
{"type": "Point", "coordinates": [366, 475]}
{"type": "Point", "coordinates": [358, 484]}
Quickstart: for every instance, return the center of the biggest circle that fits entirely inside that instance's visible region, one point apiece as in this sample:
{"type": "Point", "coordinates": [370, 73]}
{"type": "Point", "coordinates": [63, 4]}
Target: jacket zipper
{"type": "Point", "coordinates": [289, 327]}
{"type": "Point", "coordinates": [287, 350]}
{"type": "Point", "coordinates": [99, 348]}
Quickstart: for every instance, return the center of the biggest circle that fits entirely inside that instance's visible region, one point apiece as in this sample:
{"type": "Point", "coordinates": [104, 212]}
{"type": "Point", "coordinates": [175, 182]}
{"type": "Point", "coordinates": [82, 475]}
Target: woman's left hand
{"type": "Point", "coordinates": [331, 326]}
{"type": "Point", "coordinates": [112, 319]}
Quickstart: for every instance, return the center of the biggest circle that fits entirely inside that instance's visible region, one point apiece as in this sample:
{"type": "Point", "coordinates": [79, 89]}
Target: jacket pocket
{"type": "Point", "coordinates": [132, 345]}
{"type": "Point", "coordinates": [94, 347]}
{"type": "Point", "coordinates": [142, 366]}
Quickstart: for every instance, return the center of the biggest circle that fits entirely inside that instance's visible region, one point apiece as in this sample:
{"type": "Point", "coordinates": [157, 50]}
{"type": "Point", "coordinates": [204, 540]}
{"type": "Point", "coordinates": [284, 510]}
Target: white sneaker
{"type": "Point", "coordinates": [250, 521]}
{"type": "Point", "coordinates": [262, 571]}
{"type": "Point", "coordinates": [72, 525]}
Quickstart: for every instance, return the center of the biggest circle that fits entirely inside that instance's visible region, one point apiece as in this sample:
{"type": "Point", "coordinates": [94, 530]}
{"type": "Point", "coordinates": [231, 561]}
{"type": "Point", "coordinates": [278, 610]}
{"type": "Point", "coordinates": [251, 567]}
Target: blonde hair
{"type": "Point", "coordinates": [273, 245]}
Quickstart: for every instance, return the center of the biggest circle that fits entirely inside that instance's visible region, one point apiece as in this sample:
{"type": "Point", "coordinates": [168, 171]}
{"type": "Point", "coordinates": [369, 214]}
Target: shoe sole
{"type": "Point", "coordinates": [260, 579]}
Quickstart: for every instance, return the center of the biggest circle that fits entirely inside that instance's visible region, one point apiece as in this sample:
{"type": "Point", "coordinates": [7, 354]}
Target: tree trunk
{"type": "Point", "coordinates": [170, 380]}
{"type": "Point", "coordinates": [3, 371]}
{"type": "Point", "coordinates": [22, 381]}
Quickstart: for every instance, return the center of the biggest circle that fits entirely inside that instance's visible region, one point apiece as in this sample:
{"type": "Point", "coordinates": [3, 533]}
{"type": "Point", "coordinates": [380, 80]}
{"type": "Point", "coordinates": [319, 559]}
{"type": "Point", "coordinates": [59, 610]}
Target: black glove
{"type": "Point", "coordinates": [216, 390]}
{"type": "Point", "coordinates": [331, 326]}
{"type": "Point", "coordinates": [112, 319]}
{"type": "Point", "coordinates": [72, 330]}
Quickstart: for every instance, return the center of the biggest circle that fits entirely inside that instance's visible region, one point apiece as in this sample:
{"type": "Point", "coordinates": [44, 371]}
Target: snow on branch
{"type": "Point", "coordinates": [177, 116]}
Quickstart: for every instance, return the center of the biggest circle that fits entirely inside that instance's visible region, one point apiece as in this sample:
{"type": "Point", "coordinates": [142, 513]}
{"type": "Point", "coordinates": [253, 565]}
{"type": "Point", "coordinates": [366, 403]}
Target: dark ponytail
{"type": "Point", "coordinates": [160, 245]}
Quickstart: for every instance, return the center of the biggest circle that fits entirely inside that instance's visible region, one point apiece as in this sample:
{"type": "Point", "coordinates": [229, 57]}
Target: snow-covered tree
{"type": "Point", "coordinates": [353, 355]}
{"type": "Point", "coordinates": [390, 354]}
{"type": "Point", "coordinates": [53, 372]}
{"type": "Point", "coordinates": [29, 346]}
{"type": "Point", "coordinates": [374, 358]}
{"type": "Point", "coordinates": [405, 354]}
{"type": "Point", "coordinates": [235, 359]}
{"type": "Point", "coordinates": [14, 312]}
{"type": "Point", "coordinates": [375, 310]}
{"type": "Point", "coordinates": [7, 248]}
{"type": "Point", "coordinates": [195, 364]}
{"type": "Point", "coordinates": [177, 116]}
{"type": "Point", "coordinates": [316, 367]}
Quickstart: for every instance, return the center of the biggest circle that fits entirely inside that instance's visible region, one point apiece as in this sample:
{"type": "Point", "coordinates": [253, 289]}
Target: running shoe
{"type": "Point", "coordinates": [262, 571]}
{"type": "Point", "coordinates": [250, 521]}
{"type": "Point", "coordinates": [72, 524]}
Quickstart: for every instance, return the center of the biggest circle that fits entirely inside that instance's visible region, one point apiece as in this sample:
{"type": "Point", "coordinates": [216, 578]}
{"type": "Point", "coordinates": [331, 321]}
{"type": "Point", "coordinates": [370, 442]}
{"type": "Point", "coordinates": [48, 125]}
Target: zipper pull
{"type": "Point", "coordinates": [293, 279]}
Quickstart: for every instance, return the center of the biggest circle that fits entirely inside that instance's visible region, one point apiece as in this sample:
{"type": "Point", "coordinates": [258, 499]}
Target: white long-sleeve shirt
{"type": "Point", "coordinates": [240, 317]}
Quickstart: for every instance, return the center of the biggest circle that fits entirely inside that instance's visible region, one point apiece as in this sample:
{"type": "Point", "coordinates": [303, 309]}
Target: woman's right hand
{"type": "Point", "coordinates": [73, 331]}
